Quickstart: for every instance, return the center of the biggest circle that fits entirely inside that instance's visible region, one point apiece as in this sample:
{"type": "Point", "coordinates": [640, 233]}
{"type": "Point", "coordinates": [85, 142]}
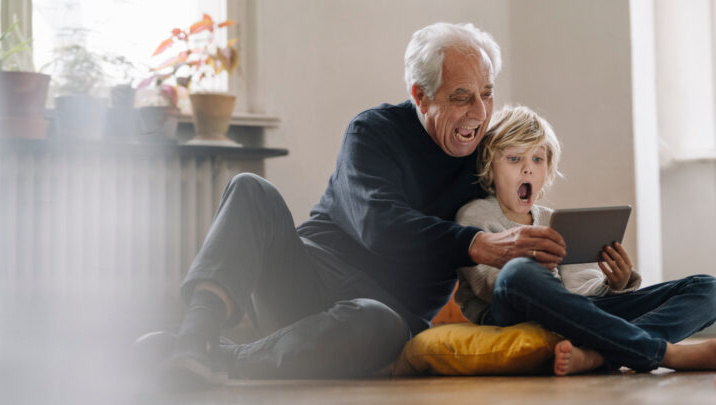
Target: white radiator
{"type": "Point", "coordinates": [108, 224]}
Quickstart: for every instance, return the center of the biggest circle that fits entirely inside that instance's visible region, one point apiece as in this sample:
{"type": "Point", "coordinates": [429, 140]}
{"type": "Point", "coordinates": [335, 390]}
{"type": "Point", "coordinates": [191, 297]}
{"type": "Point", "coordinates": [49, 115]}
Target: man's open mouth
{"type": "Point", "coordinates": [466, 134]}
{"type": "Point", "coordinates": [525, 192]}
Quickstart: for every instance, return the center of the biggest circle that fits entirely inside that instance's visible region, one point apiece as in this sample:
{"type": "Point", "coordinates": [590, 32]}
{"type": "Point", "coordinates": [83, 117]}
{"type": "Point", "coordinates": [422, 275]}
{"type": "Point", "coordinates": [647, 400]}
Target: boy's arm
{"type": "Point", "coordinates": [587, 279]}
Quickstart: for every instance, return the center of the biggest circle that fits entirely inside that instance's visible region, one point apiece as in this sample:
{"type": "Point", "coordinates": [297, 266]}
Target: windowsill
{"type": "Point", "coordinates": [108, 145]}
{"type": "Point", "coordinates": [245, 120]}
{"type": "Point", "coordinates": [707, 155]}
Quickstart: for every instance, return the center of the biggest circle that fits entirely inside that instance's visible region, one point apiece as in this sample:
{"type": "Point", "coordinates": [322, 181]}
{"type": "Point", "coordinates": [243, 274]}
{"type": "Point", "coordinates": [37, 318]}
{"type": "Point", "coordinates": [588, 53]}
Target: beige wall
{"type": "Point", "coordinates": [571, 62]}
{"type": "Point", "coordinates": [325, 60]}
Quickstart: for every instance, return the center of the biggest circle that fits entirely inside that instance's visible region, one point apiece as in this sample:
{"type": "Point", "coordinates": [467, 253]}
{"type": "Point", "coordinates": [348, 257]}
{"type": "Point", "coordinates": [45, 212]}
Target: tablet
{"type": "Point", "coordinates": [587, 230]}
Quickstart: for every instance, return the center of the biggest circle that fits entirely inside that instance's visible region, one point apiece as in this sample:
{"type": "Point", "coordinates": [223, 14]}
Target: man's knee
{"type": "Point", "coordinates": [248, 188]}
{"type": "Point", "coordinates": [247, 183]}
{"type": "Point", "coordinates": [372, 321]}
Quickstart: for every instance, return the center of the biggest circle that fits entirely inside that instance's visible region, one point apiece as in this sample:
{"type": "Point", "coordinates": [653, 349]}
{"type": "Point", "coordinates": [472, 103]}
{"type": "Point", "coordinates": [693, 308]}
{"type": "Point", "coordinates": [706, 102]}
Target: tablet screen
{"type": "Point", "coordinates": [587, 230]}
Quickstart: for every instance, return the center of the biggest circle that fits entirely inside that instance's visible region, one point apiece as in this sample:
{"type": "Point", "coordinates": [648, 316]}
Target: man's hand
{"type": "Point", "coordinates": [616, 266]}
{"type": "Point", "coordinates": [543, 244]}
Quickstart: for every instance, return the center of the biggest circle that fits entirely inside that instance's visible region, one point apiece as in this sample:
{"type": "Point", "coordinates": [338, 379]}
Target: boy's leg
{"type": "Point", "coordinates": [526, 291]}
{"type": "Point", "coordinates": [673, 310]}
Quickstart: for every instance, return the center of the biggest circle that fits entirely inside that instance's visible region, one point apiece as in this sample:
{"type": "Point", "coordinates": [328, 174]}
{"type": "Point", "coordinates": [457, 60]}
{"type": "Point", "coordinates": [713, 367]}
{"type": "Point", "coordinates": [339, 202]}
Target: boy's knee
{"type": "Point", "coordinates": [520, 272]}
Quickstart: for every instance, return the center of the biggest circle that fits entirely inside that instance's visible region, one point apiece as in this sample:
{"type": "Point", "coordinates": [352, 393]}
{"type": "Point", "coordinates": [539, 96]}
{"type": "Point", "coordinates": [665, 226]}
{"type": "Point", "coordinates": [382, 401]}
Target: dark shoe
{"type": "Point", "coordinates": [181, 369]}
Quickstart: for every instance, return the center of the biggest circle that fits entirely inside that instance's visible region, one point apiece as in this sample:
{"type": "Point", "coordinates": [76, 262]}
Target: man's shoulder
{"type": "Point", "coordinates": [384, 114]}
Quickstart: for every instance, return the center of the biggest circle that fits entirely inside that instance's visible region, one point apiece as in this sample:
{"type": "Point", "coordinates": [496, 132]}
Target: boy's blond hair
{"type": "Point", "coordinates": [517, 126]}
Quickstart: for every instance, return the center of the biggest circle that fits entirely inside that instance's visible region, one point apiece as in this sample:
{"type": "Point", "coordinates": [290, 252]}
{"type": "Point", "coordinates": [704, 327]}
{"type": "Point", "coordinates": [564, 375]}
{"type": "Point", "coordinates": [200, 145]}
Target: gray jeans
{"type": "Point", "coordinates": [319, 318]}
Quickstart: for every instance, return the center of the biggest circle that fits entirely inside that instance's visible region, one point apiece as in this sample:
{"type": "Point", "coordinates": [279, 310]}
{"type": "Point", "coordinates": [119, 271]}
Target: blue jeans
{"type": "Point", "coordinates": [318, 317]}
{"type": "Point", "coordinates": [629, 329]}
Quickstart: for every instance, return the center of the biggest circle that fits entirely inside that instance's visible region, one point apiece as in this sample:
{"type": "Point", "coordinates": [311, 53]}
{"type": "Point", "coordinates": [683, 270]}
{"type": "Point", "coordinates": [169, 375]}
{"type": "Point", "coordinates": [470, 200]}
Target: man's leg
{"type": "Point", "coordinates": [265, 269]}
{"type": "Point", "coordinates": [525, 291]}
{"type": "Point", "coordinates": [252, 244]}
{"type": "Point", "coordinates": [354, 338]}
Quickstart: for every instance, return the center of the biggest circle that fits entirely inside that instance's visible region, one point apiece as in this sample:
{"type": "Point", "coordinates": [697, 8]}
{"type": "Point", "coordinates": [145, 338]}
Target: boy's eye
{"type": "Point", "coordinates": [513, 159]}
{"type": "Point", "coordinates": [538, 159]}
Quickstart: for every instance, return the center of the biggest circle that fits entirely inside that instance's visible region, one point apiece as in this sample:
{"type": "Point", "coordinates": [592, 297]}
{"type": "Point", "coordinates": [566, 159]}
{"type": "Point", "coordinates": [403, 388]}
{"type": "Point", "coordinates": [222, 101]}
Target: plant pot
{"type": "Point", "coordinates": [121, 122]}
{"type": "Point", "coordinates": [23, 127]}
{"type": "Point", "coordinates": [23, 94]}
{"type": "Point", "coordinates": [158, 122]}
{"type": "Point", "coordinates": [122, 96]}
{"type": "Point", "coordinates": [212, 115]}
{"type": "Point", "coordinates": [22, 104]}
{"type": "Point", "coordinates": [80, 116]}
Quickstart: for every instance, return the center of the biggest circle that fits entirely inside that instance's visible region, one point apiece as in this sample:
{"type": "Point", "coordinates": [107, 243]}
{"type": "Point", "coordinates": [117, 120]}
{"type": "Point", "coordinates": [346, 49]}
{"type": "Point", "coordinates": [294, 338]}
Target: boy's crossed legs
{"type": "Point", "coordinates": [637, 330]}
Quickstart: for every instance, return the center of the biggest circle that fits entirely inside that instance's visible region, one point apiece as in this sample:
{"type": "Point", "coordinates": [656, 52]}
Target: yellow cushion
{"type": "Point", "coordinates": [469, 349]}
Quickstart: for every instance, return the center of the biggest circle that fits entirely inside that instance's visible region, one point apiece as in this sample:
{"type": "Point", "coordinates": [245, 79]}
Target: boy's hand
{"type": "Point", "coordinates": [540, 243]}
{"type": "Point", "coordinates": [616, 266]}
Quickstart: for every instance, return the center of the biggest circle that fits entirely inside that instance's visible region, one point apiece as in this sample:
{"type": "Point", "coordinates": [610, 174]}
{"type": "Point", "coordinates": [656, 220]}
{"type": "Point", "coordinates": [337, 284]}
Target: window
{"type": "Point", "coordinates": [117, 32]}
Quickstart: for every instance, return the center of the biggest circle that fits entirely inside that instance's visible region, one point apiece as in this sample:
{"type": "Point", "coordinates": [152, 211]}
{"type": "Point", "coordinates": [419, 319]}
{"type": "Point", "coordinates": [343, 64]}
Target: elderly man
{"type": "Point", "coordinates": [341, 294]}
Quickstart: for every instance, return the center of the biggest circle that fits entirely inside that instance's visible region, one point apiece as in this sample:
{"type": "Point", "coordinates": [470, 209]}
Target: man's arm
{"type": "Point", "coordinates": [541, 243]}
{"type": "Point", "coordinates": [371, 205]}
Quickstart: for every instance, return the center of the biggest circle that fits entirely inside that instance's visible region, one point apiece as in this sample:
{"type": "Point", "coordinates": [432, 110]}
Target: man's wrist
{"type": "Point", "coordinates": [472, 248]}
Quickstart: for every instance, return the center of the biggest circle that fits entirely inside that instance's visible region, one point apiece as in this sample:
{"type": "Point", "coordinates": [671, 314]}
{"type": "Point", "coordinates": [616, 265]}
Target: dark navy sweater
{"type": "Point", "coordinates": [390, 205]}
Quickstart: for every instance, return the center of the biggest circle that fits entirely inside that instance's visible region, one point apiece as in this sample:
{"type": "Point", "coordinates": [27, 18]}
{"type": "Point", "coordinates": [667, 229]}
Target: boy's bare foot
{"type": "Point", "coordinates": [698, 356]}
{"type": "Point", "coordinates": [573, 360]}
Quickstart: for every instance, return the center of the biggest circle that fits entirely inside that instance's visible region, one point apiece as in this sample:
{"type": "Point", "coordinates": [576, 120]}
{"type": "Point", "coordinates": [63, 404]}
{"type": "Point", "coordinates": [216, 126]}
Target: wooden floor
{"type": "Point", "coordinates": [660, 387]}
{"type": "Point", "coordinates": [80, 353]}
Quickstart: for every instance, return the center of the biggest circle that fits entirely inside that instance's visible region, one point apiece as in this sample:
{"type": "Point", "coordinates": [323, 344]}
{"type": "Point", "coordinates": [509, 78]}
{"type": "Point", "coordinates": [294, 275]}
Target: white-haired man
{"type": "Point", "coordinates": [341, 294]}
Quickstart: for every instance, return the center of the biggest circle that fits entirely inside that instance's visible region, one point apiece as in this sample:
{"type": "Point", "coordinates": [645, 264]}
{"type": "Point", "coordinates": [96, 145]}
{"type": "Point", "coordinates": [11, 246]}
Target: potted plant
{"type": "Point", "coordinates": [159, 112]}
{"type": "Point", "coordinates": [122, 118]}
{"type": "Point", "coordinates": [79, 113]}
{"type": "Point", "coordinates": [200, 58]}
{"type": "Point", "coordinates": [23, 92]}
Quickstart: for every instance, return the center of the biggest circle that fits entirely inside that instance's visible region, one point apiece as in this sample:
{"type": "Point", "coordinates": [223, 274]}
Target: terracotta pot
{"type": "Point", "coordinates": [22, 104]}
{"type": "Point", "coordinates": [23, 94]}
{"type": "Point", "coordinates": [212, 114]}
{"type": "Point", "coordinates": [23, 127]}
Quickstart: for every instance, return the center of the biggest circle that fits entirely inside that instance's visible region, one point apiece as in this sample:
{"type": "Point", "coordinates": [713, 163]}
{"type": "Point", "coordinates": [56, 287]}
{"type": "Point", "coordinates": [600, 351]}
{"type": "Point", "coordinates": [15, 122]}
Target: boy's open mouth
{"type": "Point", "coordinates": [466, 134]}
{"type": "Point", "coordinates": [525, 192]}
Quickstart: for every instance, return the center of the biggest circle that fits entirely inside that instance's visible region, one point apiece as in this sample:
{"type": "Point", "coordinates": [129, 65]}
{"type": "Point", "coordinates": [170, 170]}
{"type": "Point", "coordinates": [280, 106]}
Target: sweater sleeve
{"type": "Point", "coordinates": [371, 205]}
{"type": "Point", "coordinates": [588, 279]}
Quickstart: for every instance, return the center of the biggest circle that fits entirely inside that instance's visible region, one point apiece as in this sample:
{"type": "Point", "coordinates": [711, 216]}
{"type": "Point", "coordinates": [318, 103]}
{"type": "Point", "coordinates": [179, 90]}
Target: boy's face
{"type": "Point", "coordinates": [519, 174]}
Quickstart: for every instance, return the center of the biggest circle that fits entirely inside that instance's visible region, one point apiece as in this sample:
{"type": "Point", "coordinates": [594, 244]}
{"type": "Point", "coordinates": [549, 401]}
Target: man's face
{"type": "Point", "coordinates": [459, 113]}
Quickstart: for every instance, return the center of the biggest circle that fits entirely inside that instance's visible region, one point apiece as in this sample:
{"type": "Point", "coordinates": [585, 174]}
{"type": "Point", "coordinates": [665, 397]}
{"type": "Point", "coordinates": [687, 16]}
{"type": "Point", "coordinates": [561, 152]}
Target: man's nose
{"type": "Point", "coordinates": [477, 110]}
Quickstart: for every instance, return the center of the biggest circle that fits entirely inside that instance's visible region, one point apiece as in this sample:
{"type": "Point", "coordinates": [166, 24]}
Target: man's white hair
{"type": "Point", "coordinates": [426, 51]}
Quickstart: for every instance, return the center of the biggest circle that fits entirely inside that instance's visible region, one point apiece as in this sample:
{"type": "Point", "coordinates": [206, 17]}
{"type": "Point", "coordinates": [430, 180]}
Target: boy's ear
{"type": "Point", "coordinates": [422, 101]}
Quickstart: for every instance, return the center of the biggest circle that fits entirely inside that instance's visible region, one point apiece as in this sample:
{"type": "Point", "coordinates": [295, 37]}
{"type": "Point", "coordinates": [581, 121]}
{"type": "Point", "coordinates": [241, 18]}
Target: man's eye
{"type": "Point", "coordinates": [461, 99]}
{"type": "Point", "coordinates": [487, 95]}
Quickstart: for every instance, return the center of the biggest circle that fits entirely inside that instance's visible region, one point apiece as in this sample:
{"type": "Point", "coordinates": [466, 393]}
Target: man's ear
{"type": "Point", "coordinates": [421, 98]}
